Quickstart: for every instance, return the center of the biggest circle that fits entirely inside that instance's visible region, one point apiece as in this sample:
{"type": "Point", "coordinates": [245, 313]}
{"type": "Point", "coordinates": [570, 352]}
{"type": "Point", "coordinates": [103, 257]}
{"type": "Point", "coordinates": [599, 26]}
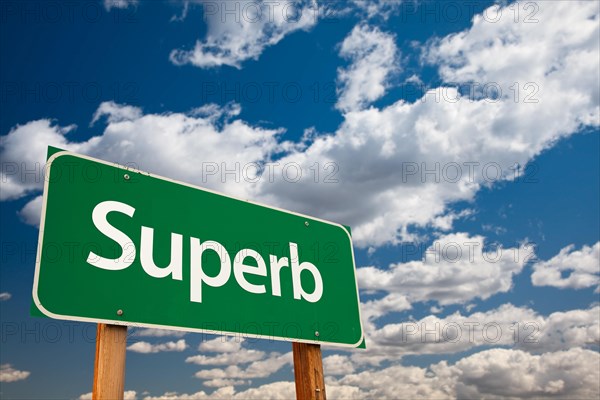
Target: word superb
{"type": "Point", "coordinates": [198, 277]}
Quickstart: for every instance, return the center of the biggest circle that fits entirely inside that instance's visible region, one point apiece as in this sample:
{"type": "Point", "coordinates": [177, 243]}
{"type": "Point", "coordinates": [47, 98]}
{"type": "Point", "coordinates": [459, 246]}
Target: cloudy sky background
{"type": "Point", "coordinates": [458, 140]}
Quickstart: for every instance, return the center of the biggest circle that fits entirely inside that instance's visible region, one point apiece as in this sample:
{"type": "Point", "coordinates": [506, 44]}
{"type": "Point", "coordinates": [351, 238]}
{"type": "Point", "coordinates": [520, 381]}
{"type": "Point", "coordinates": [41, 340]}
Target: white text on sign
{"type": "Point", "coordinates": [197, 275]}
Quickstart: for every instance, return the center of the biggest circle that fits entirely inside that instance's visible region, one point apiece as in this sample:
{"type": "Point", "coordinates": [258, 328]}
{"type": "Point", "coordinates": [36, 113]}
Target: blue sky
{"type": "Point", "coordinates": [446, 125]}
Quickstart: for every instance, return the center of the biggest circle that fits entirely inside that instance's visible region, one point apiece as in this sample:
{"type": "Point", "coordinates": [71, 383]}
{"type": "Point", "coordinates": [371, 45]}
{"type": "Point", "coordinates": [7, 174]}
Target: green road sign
{"type": "Point", "coordinates": [122, 246]}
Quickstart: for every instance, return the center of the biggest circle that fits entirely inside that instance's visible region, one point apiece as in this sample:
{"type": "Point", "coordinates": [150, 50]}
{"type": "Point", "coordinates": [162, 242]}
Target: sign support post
{"type": "Point", "coordinates": [109, 366]}
{"type": "Point", "coordinates": [308, 371]}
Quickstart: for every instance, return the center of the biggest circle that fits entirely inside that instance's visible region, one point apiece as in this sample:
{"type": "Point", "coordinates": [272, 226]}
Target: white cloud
{"type": "Point", "coordinates": [184, 12]}
{"type": "Point", "coordinates": [242, 356]}
{"type": "Point", "coordinates": [455, 269]}
{"type": "Point", "coordinates": [378, 8]}
{"type": "Point", "coordinates": [5, 296]}
{"type": "Point", "coordinates": [269, 391]}
{"type": "Point", "coordinates": [558, 53]}
{"type": "Point", "coordinates": [337, 365]}
{"type": "Point", "coordinates": [31, 213]}
{"type": "Point", "coordinates": [374, 151]}
{"type": "Point", "coordinates": [245, 31]}
{"type": "Point", "coordinates": [373, 309]}
{"type": "Point", "coordinates": [145, 347]}
{"type": "Point", "coordinates": [153, 332]}
{"type": "Point", "coordinates": [507, 325]}
{"type": "Point", "coordinates": [110, 4]}
{"type": "Point", "coordinates": [492, 374]}
{"type": "Point", "coordinates": [127, 395]}
{"type": "Point", "coordinates": [435, 310]}
{"type": "Point", "coordinates": [582, 266]}
{"type": "Point", "coordinates": [176, 141]}
{"type": "Point", "coordinates": [9, 374]}
{"type": "Point", "coordinates": [374, 59]}
{"type": "Point", "coordinates": [116, 112]}
{"type": "Point", "coordinates": [500, 373]}
{"type": "Point", "coordinates": [382, 155]}
{"type": "Point", "coordinates": [562, 330]}
{"type": "Point", "coordinates": [435, 382]}
{"type": "Point", "coordinates": [257, 369]}
{"type": "Point", "coordinates": [222, 344]}
{"type": "Point", "coordinates": [224, 382]}
{"type": "Point", "coordinates": [23, 151]}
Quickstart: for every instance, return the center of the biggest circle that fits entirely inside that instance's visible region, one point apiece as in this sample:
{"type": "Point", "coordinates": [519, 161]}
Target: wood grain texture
{"type": "Point", "coordinates": [109, 367]}
{"type": "Point", "coordinates": [308, 372]}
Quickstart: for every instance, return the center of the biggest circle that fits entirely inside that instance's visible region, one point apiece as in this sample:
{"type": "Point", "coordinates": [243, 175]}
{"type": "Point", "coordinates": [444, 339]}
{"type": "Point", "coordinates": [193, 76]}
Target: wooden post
{"type": "Point", "coordinates": [308, 371]}
{"type": "Point", "coordinates": [109, 367]}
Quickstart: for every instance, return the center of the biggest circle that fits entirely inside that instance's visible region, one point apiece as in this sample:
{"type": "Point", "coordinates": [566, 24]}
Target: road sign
{"type": "Point", "coordinates": [121, 246]}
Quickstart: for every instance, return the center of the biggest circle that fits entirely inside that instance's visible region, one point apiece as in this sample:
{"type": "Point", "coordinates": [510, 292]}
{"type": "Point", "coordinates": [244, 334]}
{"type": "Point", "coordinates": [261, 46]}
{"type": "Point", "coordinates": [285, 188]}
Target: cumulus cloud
{"type": "Point", "coordinates": [402, 165]}
{"type": "Point", "coordinates": [377, 8]}
{"type": "Point", "coordinates": [494, 374]}
{"type": "Point", "coordinates": [241, 30]}
{"type": "Point", "coordinates": [562, 330]}
{"type": "Point", "coordinates": [222, 344]}
{"type": "Point", "coordinates": [393, 302]}
{"type": "Point", "coordinates": [497, 50]}
{"type": "Point", "coordinates": [9, 374]}
{"type": "Point", "coordinates": [24, 150]}
{"type": "Point", "coordinates": [582, 268]}
{"type": "Point", "coordinates": [257, 369]}
{"type": "Point", "coordinates": [435, 382]}
{"type": "Point", "coordinates": [239, 363]}
{"type": "Point", "coordinates": [224, 382]}
{"type": "Point", "coordinates": [116, 112]}
{"type": "Point", "coordinates": [176, 141]}
{"type": "Point", "coordinates": [5, 296]}
{"type": "Point", "coordinates": [389, 170]}
{"type": "Point", "coordinates": [373, 59]}
{"type": "Point", "coordinates": [153, 332]}
{"type": "Point", "coordinates": [145, 347]}
{"type": "Point", "coordinates": [127, 395]}
{"type": "Point", "coordinates": [507, 325]}
{"type": "Point", "coordinates": [270, 391]}
{"type": "Point", "coordinates": [110, 4]}
{"type": "Point", "coordinates": [501, 373]}
{"type": "Point", "coordinates": [337, 365]}
{"type": "Point", "coordinates": [242, 356]}
{"type": "Point", "coordinates": [31, 213]}
{"type": "Point", "coordinates": [456, 268]}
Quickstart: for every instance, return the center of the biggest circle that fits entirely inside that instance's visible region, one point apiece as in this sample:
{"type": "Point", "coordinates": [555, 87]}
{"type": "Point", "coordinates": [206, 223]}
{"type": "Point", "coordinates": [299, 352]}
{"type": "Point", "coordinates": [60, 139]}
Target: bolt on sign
{"type": "Point", "coordinates": [125, 247]}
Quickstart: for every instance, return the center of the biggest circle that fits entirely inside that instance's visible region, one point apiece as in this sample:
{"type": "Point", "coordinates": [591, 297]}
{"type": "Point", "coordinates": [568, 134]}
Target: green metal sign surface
{"type": "Point", "coordinates": [121, 246]}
